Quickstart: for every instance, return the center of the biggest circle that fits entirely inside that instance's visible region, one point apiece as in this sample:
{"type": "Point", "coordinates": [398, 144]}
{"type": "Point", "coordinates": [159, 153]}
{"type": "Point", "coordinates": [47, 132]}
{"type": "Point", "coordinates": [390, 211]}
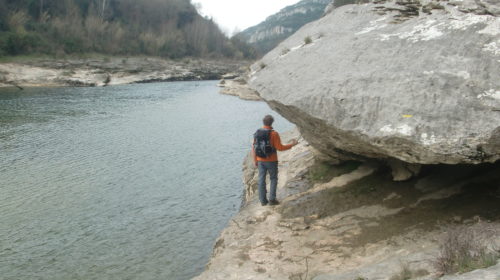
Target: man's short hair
{"type": "Point", "coordinates": [268, 120]}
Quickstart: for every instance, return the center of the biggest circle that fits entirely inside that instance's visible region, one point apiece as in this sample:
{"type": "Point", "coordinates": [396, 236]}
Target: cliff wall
{"type": "Point", "coordinates": [269, 33]}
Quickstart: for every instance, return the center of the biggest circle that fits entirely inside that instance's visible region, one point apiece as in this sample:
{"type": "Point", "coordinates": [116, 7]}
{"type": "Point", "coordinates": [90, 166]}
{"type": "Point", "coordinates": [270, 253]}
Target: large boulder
{"type": "Point", "coordinates": [407, 80]}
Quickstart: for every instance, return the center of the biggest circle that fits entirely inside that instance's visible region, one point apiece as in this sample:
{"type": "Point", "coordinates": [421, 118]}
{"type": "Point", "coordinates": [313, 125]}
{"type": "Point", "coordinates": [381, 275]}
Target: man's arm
{"type": "Point", "coordinates": [276, 142]}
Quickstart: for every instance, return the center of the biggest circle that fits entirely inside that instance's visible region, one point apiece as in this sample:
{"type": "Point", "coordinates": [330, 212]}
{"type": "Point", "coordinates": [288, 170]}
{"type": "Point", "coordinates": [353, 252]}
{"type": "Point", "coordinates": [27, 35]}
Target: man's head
{"type": "Point", "coordinates": [268, 120]}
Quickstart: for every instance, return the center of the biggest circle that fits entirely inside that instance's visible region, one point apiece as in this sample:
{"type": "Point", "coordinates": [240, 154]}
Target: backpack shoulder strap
{"type": "Point", "coordinates": [262, 132]}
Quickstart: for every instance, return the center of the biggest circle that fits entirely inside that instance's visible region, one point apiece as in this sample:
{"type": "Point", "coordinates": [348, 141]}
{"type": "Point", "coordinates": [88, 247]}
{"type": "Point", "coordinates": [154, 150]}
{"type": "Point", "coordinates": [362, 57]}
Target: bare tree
{"type": "Point", "coordinates": [103, 8]}
{"type": "Point", "coordinates": [41, 9]}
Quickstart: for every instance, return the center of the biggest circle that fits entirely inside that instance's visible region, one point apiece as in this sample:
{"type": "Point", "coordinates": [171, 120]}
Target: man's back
{"type": "Point", "coordinates": [276, 144]}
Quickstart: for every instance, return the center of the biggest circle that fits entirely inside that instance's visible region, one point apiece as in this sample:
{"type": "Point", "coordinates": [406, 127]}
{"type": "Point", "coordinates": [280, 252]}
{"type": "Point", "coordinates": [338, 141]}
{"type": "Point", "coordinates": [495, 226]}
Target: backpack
{"type": "Point", "coordinates": [262, 143]}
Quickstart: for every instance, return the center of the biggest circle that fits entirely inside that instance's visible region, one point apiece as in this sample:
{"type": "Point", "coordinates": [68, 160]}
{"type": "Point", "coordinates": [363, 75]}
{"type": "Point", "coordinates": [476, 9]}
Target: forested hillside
{"type": "Point", "coordinates": [166, 28]}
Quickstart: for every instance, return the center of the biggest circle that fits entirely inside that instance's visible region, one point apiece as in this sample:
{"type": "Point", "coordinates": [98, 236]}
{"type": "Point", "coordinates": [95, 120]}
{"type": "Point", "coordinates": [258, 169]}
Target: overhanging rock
{"type": "Point", "coordinates": [424, 88]}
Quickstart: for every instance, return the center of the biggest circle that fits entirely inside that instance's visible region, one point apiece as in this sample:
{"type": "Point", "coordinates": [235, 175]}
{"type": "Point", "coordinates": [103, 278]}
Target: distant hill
{"type": "Point", "coordinates": [268, 34]}
{"type": "Point", "coordinates": [165, 28]}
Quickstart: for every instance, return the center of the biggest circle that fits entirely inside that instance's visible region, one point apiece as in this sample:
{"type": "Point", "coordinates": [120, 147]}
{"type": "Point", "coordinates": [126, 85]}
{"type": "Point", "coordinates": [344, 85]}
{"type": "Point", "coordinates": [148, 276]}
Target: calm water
{"type": "Point", "coordinates": [125, 182]}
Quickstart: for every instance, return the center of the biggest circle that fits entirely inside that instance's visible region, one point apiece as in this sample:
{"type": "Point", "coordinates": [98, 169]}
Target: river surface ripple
{"type": "Point", "coordinates": [122, 182]}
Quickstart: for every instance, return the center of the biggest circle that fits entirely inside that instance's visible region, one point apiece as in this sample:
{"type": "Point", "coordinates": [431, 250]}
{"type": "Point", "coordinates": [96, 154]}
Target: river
{"type": "Point", "coordinates": [122, 182]}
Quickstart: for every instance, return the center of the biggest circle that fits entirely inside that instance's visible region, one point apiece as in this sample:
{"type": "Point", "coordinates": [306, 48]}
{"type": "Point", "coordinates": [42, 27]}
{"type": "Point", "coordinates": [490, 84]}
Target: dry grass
{"type": "Point", "coordinates": [406, 273]}
{"type": "Point", "coordinates": [462, 250]}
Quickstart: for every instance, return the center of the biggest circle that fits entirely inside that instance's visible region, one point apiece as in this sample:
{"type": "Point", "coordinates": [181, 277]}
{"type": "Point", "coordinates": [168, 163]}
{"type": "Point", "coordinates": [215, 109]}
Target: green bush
{"type": "Point", "coordinates": [16, 44]}
{"type": "Point", "coordinates": [72, 45]}
{"type": "Point", "coordinates": [308, 40]}
{"type": "Point", "coordinates": [19, 44]}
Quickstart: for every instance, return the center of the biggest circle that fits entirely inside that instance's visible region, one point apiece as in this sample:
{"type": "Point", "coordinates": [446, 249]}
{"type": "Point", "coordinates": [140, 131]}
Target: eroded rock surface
{"type": "Point", "coordinates": [417, 81]}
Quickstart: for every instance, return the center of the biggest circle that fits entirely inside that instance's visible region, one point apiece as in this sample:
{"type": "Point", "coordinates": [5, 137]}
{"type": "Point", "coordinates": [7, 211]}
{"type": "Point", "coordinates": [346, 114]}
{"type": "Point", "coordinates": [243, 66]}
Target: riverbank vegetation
{"type": "Point", "coordinates": [163, 28]}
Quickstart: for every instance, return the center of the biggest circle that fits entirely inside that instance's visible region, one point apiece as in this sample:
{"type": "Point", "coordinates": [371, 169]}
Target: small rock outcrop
{"type": "Point", "coordinates": [236, 84]}
{"type": "Point", "coordinates": [407, 80]}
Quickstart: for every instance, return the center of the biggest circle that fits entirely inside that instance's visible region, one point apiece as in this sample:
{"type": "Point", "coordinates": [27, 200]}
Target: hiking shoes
{"type": "Point", "coordinates": [263, 203]}
{"type": "Point", "coordinates": [273, 202]}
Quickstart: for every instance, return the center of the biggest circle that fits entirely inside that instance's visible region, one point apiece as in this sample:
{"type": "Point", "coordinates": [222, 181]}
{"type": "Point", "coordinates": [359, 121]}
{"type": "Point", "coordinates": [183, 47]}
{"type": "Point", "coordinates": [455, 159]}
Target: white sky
{"type": "Point", "coordinates": [240, 14]}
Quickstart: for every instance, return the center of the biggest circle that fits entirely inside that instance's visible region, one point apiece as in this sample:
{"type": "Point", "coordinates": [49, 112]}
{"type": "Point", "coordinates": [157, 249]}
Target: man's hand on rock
{"type": "Point", "coordinates": [294, 142]}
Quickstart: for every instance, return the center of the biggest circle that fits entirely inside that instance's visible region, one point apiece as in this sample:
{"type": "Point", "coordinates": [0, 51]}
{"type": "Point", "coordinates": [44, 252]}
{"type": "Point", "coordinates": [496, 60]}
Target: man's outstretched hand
{"type": "Point", "coordinates": [294, 142]}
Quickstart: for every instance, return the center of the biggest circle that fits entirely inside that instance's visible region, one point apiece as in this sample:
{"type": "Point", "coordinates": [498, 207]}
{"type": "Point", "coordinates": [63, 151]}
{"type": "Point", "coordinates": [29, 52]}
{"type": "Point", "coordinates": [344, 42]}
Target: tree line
{"type": "Point", "coordinates": [166, 28]}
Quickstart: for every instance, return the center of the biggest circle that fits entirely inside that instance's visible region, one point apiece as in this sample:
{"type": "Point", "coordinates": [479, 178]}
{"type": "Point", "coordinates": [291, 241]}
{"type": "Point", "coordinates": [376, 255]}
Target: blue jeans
{"type": "Point", "coordinates": [272, 168]}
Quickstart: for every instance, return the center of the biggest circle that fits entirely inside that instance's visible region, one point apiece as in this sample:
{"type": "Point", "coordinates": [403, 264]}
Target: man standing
{"type": "Point", "coordinates": [266, 158]}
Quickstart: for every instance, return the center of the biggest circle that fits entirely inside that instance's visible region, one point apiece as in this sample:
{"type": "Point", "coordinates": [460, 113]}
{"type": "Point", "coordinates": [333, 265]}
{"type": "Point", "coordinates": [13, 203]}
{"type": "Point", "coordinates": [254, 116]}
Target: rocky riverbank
{"type": "Point", "coordinates": [351, 221]}
{"type": "Point", "coordinates": [111, 71]}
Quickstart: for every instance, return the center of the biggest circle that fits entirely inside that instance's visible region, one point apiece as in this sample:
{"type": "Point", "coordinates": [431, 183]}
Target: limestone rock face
{"type": "Point", "coordinates": [269, 33]}
{"type": "Point", "coordinates": [414, 81]}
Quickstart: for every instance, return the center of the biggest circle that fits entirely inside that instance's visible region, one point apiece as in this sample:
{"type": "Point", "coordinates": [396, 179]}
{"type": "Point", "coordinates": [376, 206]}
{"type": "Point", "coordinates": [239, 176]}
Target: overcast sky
{"type": "Point", "coordinates": [240, 14]}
